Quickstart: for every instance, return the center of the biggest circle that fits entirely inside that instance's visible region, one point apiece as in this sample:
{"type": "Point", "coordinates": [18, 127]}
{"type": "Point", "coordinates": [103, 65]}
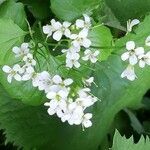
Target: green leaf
{"type": "Point", "coordinates": [101, 39]}
{"type": "Point", "coordinates": [121, 143]}
{"type": "Point", "coordinates": [123, 12]}
{"type": "Point", "coordinates": [24, 90]}
{"type": "Point", "coordinates": [40, 9]}
{"type": "Point", "coordinates": [108, 17]}
{"type": "Point", "coordinates": [11, 35]}
{"type": "Point", "coordinates": [15, 11]}
{"type": "Point", "coordinates": [32, 128]}
{"type": "Point", "coordinates": [117, 93]}
{"type": "Point", "coordinates": [71, 9]}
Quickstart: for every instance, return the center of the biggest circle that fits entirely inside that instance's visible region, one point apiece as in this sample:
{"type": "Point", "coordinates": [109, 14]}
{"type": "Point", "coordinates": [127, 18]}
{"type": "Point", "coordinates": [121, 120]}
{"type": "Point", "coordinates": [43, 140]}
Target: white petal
{"type": "Point", "coordinates": [6, 69]}
{"type": "Point", "coordinates": [141, 63]}
{"type": "Point", "coordinates": [86, 43]}
{"type": "Point", "coordinates": [129, 73]}
{"type": "Point", "coordinates": [51, 111]}
{"type": "Point", "coordinates": [77, 64]}
{"type": "Point", "coordinates": [133, 23]}
{"type": "Point", "coordinates": [47, 104]}
{"type": "Point", "coordinates": [57, 25]}
{"type": "Point", "coordinates": [66, 24]}
{"type": "Point", "coordinates": [83, 33]}
{"type": "Point", "coordinates": [90, 80]}
{"type": "Point", "coordinates": [59, 112]}
{"type": "Point", "coordinates": [57, 79]}
{"type": "Point", "coordinates": [26, 77]}
{"type": "Point", "coordinates": [68, 82]}
{"type": "Point", "coordinates": [130, 45]}
{"type": "Point", "coordinates": [69, 63]}
{"type": "Point", "coordinates": [93, 60]}
{"type": "Point", "coordinates": [16, 67]}
{"type": "Point", "coordinates": [85, 58]}
{"type": "Point", "coordinates": [87, 123]}
{"type": "Point", "coordinates": [125, 56]}
{"type": "Point", "coordinates": [63, 105]}
{"type": "Point", "coordinates": [53, 104]}
{"type": "Point", "coordinates": [30, 69]}
{"type": "Point", "coordinates": [80, 23]}
{"type": "Point", "coordinates": [67, 33]}
{"type": "Point", "coordinates": [57, 35]}
{"type": "Point", "coordinates": [24, 46]}
{"type": "Point", "coordinates": [17, 77]}
{"type": "Point", "coordinates": [51, 95]}
{"type": "Point", "coordinates": [87, 18]}
{"type": "Point", "coordinates": [9, 78]}
{"type": "Point", "coordinates": [133, 59]}
{"type": "Point", "coordinates": [73, 36]}
{"type": "Point", "coordinates": [139, 51]}
{"type": "Point", "coordinates": [63, 94]}
{"type": "Point", "coordinates": [72, 106]}
{"type": "Point", "coordinates": [16, 50]}
{"type": "Point", "coordinates": [88, 116]}
{"type": "Point", "coordinates": [47, 30]}
{"type": "Point", "coordinates": [76, 44]}
{"type": "Point", "coordinates": [96, 53]}
{"type": "Point", "coordinates": [147, 41]}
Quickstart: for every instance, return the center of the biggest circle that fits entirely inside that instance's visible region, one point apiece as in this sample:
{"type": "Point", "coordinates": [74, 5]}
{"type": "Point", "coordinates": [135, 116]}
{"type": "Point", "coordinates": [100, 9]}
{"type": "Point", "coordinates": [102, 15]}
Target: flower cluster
{"type": "Point", "coordinates": [67, 102]}
{"type": "Point", "coordinates": [70, 109]}
{"type": "Point", "coordinates": [24, 72]}
{"type": "Point", "coordinates": [78, 39]}
{"type": "Point", "coordinates": [134, 55]}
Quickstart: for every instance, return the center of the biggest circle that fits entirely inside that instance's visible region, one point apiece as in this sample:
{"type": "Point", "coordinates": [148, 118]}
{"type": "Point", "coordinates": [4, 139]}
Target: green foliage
{"type": "Point", "coordinates": [39, 8]}
{"type": "Point", "coordinates": [66, 137]}
{"type": "Point", "coordinates": [117, 93]}
{"type": "Point", "coordinates": [121, 143]}
{"type": "Point", "coordinates": [31, 127]}
{"type": "Point", "coordinates": [127, 9]}
{"type": "Point", "coordinates": [72, 9]}
{"type": "Point", "coordinates": [101, 39]}
{"type": "Point", "coordinates": [15, 11]}
{"type": "Point", "coordinates": [11, 35]}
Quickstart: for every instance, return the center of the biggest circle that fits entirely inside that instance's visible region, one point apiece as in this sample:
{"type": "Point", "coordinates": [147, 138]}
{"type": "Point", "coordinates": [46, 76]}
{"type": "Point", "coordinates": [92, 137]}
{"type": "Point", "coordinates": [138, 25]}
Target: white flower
{"type": "Point", "coordinates": [72, 49]}
{"type": "Point", "coordinates": [144, 59]}
{"type": "Point", "coordinates": [132, 53]}
{"type": "Point", "coordinates": [147, 41]}
{"type": "Point", "coordinates": [28, 59]}
{"type": "Point", "coordinates": [89, 55]}
{"type": "Point", "coordinates": [132, 23]}
{"type": "Point", "coordinates": [89, 81]}
{"type": "Point", "coordinates": [76, 113]}
{"type": "Point", "coordinates": [63, 30]}
{"type": "Point", "coordinates": [85, 99]}
{"type": "Point", "coordinates": [57, 107]}
{"type": "Point", "coordinates": [86, 23]}
{"type": "Point", "coordinates": [13, 72]}
{"type": "Point", "coordinates": [57, 95]}
{"type": "Point", "coordinates": [58, 80]}
{"type": "Point", "coordinates": [81, 39]}
{"type": "Point", "coordinates": [21, 51]}
{"type": "Point", "coordinates": [72, 60]}
{"type": "Point", "coordinates": [36, 79]}
{"type": "Point", "coordinates": [45, 81]}
{"type": "Point", "coordinates": [86, 120]}
{"type": "Point", "coordinates": [49, 29]}
{"type": "Point", "coordinates": [29, 73]}
{"type": "Point", "coordinates": [129, 73]}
